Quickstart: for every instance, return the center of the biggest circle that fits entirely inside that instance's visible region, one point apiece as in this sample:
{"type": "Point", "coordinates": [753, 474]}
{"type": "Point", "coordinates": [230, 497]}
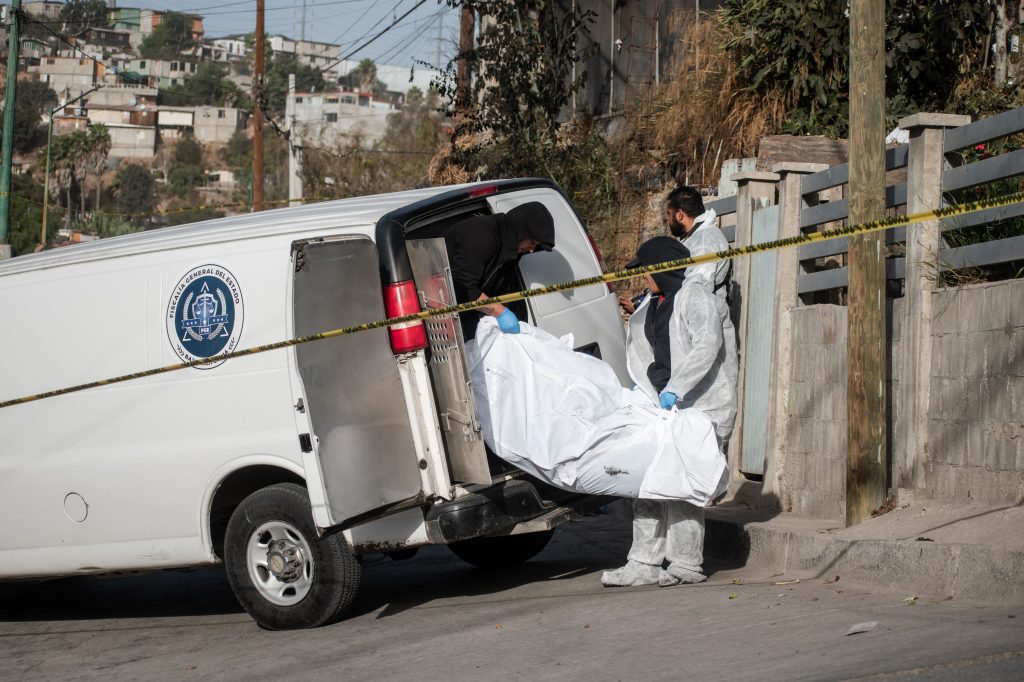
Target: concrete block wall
{"type": "Point", "coordinates": [815, 452]}
{"type": "Point", "coordinates": [975, 448]}
{"type": "Point", "coordinates": [815, 448]}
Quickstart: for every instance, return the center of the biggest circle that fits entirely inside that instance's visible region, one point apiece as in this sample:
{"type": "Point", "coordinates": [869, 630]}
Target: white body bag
{"type": "Point", "coordinates": [563, 417]}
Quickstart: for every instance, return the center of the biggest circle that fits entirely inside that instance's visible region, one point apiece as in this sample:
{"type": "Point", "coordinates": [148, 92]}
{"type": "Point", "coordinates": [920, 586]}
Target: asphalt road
{"type": "Point", "coordinates": [433, 617]}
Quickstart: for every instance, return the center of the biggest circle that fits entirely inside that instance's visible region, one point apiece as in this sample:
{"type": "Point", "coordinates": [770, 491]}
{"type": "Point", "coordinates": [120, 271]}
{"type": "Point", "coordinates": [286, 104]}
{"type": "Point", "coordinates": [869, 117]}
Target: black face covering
{"type": "Point", "coordinates": [659, 312]}
{"type": "Point", "coordinates": [532, 220]}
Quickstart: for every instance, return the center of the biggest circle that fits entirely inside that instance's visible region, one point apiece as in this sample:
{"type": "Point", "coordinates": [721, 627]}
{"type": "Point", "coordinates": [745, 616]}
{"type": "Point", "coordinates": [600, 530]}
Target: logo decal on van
{"type": "Point", "coordinates": [204, 314]}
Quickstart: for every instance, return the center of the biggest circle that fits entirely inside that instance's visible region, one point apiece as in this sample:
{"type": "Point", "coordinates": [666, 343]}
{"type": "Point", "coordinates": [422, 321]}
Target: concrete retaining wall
{"type": "Point", "coordinates": [976, 413]}
{"type": "Point", "coordinates": [815, 447]}
{"type": "Point", "coordinates": [975, 443]}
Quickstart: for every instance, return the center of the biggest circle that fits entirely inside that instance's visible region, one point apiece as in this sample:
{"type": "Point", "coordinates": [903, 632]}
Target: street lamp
{"type": "Point", "coordinates": [49, 137]}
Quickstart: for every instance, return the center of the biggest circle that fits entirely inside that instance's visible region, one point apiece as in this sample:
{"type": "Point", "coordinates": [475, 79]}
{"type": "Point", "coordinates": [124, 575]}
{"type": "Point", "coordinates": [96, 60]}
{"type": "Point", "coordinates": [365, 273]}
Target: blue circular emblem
{"type": "Point", "coordinates": [204, 314]}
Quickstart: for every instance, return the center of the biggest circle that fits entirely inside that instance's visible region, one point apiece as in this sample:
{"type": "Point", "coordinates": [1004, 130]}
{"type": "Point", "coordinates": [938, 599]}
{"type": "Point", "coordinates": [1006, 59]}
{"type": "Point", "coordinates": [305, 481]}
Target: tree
{"type": "Point", "coordinates": [237, 156]}
{"type": "Point", "coordinates": [209, 86]}
{"type": "Point", "coordinates": [171, 38]}
{"type": "Point", "coordinates": [99, 150]}
{"type": "Point", "coordinates": [134, 190]}
{"type": "Point", "coordinates": [524, 59]}
{"type": "Point", "coordinates": [188, 152]}
{"type": "Point", "coordinates": [186, 171]}
{"type": "Point", "coordinates": [307, 79]}
{"type": "Point", "coordinates": [79, 15]}
{"type": "Point", "coordinates": [26, 213]}
{"type": "Point", "coordinates": [799, 49]}
{"type": "Point", "coordinates": [69, 155]}
{"type": "Point", "coordinates": [364, 79]}
{"type": "Point", "coordinates": [32, 101]}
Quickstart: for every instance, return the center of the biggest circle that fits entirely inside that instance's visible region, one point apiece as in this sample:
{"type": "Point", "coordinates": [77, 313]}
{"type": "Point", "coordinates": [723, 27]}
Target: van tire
{"type": "Point", "coordinates": [329, 575]}
{"type": "Point", "coordinates": [501, 551]}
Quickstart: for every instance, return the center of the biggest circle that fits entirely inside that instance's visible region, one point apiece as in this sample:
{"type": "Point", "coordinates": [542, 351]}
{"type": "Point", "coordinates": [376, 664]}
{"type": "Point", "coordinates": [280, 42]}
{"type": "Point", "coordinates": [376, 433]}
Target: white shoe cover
{"type": "Point", "coordinates": [676, 575]}
{"type": "Point", "coordinates": [632, 574]}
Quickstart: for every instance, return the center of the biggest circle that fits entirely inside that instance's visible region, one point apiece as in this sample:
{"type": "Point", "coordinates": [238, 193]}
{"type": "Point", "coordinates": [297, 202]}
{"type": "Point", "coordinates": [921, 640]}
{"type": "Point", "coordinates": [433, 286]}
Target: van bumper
{"type": "Point", "coordinates": [504, 509]}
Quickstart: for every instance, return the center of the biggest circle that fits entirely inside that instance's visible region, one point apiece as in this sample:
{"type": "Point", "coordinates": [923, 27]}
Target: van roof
{"type": "Point", "coordinates": [340, 213]}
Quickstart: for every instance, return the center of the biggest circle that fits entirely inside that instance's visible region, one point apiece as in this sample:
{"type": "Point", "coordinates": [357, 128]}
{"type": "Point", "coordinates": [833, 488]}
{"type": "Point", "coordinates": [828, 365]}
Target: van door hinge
{"type": "Point", "coordinates": [305, 442]}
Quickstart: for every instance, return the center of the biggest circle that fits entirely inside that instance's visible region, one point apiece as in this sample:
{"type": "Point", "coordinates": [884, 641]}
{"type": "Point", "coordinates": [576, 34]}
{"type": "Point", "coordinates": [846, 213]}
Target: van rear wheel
{"type": "Point", "coordinates": [282, 574]}
{"type": "Point", "coordinates": [501, 551]}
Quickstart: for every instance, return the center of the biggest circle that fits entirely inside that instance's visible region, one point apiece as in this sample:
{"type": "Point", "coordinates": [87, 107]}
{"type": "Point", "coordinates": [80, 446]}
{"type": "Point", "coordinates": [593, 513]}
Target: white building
{"type": "Point", "coordinates": [45, 9]}
{"type": "Point", "coordinates": [396, 78]}
{"type": "Point", "coordinates": [324, 119]}
{"type": "Point", "coordinates": [206, 124]}
{"type": "Point", "coordinates": [69, 77]}
{"type": "Point", "coordinates": [322, 56]}
{"type": "Point", "coordinates": [227, 48]}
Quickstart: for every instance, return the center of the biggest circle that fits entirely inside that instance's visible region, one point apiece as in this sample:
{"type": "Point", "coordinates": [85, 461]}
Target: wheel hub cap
{"type": "Point", "coordinates": [285, 560]}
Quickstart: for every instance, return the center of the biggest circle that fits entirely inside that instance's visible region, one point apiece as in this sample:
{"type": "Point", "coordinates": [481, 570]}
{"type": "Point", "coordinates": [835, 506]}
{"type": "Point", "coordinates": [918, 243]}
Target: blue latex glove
{"type": "Point", "coordinates": [668, 400]}
{"type": "Point", "coordinates": [508, 323]}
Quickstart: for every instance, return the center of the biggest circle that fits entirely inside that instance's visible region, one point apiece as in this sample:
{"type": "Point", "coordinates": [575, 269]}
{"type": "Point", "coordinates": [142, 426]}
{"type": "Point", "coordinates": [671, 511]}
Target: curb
{"type": "Point", "coordinates": [967, 571]}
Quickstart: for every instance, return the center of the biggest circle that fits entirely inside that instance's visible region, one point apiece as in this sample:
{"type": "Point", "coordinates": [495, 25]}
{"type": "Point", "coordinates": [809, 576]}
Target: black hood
{"type": "Point", "coordinates": [662, 250]}
{"type": "Point", "coordinates": [532, 220]}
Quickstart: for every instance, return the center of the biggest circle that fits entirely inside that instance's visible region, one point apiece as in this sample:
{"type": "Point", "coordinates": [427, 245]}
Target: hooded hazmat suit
{"type": "Point", "coordinates": [702, 374]}
{"type": "Point", "coordinates": [481, 247]}
{"type": "Point", "coordinates": [706, 237]}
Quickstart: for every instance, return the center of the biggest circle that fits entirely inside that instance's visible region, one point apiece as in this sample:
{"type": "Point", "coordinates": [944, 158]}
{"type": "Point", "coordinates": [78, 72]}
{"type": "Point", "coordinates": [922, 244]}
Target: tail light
{"type": "Point", "coordinates": [600, 257]}
{"type": "Point", "coordinates": [482, 191]}
{"type": "Point", "coordinates": [400, 299]}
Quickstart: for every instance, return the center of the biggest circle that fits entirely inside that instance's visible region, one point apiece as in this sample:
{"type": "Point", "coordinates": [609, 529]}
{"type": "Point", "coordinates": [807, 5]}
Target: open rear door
{"type": "Point", "coordinates": [361, 430]}
{"type": "Point", "coordinates": [467, 456]}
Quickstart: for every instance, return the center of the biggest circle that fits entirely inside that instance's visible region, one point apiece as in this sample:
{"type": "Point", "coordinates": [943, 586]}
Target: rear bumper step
{"type": "Point", "coordinates": [500, 508]}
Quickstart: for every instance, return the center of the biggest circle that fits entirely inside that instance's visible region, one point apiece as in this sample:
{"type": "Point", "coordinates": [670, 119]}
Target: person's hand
{"type": "Point", "coordinates": [507, 322]}
{"type": "Point", "coordinates": [626, 304]}
{"type": "Point", "coordinates": [668, 400]}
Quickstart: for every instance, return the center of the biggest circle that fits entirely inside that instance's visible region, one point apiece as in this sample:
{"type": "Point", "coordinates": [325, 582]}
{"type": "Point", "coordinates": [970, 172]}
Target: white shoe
{"type": "Point", "coordinates": [674, 575]}
{"type": "Point", "coordinates": [632, 574]}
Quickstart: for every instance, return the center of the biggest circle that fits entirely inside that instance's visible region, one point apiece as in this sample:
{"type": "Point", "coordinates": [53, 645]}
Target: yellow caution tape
{"type": "Point", "coordinates": [630, 273]}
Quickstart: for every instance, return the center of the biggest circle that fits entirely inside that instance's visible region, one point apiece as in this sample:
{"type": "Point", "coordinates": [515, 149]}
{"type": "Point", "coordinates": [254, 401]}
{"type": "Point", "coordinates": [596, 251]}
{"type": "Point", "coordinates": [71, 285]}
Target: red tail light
{"type": "Point", "coordinates": [400, 299]}
{"type": "Point", "coordinates": [600, 258]}
{"type": "Point", "coordinates": [482, 191]}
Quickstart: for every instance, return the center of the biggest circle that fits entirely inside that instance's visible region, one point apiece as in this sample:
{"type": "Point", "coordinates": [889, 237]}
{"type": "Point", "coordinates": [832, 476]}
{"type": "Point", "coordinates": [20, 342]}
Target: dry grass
{"type": "Point", "coordinates": [700, 115]}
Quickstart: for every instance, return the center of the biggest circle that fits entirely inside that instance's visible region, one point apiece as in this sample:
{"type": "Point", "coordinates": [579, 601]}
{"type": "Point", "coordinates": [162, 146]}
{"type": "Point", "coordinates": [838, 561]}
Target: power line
{"type": "Point", "coordinates": [264, 96]}
{"type": "Point", "coordinates": [331, 65]}
{"type": "Point", "coordinates": [403, 46]}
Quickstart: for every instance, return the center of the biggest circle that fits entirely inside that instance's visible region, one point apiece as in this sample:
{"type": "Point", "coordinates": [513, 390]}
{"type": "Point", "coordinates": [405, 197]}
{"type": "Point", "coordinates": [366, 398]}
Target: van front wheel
{"type": "Point", "coordinates": [501, 551]}
{"type": "Point", "coordinates": [282, 574]}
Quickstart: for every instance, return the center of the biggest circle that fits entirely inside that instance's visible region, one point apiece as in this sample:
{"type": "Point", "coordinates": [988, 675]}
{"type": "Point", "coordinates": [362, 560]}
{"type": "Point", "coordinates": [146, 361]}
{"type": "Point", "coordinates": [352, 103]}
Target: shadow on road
{"type": "Point", "coordinates": [200, 592]}
{"type": "Point", "coordinates": [430, 579]}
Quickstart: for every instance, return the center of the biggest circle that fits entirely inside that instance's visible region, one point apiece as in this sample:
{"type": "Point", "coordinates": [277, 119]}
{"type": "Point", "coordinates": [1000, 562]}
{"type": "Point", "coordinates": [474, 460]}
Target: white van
{"type": "Point", "coordinates": [285, 465]}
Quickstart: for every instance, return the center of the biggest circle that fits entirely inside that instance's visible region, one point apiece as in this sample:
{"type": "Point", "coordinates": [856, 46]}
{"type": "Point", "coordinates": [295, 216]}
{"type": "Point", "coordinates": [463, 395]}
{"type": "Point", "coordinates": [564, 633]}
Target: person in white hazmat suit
{"type": "Point", "coordinates": [697, 230]}
{"type": "Point", "coordinates": [681, 352]}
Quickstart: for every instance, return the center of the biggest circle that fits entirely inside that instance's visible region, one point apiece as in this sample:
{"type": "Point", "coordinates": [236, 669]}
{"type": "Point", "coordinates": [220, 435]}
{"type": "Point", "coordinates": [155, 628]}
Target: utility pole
{"type": "Point", "coordinates": [440, 39]}
{"type": "Point", "coordinates": [866, 413]}
{"type": "Point", "coordinates": [295, 192]}
{"type": "Point", "coordinates": [462, 73]}
{"type": "Point", "coordinates": [302, 32]}
{"type": "Point", "coordinates": [257, 115]}
{"type": "Point", "coordinates": [8, 138]}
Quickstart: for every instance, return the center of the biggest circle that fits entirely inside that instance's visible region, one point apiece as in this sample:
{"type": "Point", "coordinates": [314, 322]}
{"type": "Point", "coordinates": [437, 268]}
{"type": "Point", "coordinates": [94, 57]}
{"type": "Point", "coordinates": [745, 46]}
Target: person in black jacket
{"type": "Point", "coordinates": [479, 247]}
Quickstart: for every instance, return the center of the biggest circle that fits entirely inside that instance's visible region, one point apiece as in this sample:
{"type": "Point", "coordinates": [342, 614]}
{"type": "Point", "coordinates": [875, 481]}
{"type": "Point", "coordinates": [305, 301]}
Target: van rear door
{"type": "Point", "coordinates": [362, 435]}
{"type": "Point", "coordinates": [456, 411]}
{"type": "Point", "coordinates": [590, 314]}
